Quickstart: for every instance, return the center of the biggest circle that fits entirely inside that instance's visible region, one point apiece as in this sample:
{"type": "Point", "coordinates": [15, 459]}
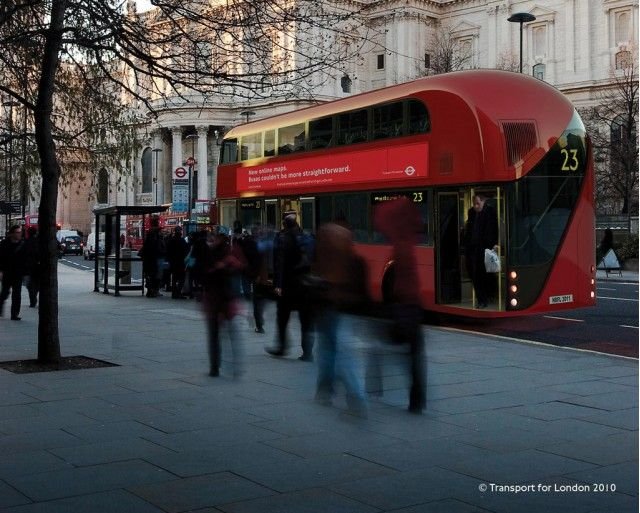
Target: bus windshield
{"type": "Point", "coordinates": [541, 202]}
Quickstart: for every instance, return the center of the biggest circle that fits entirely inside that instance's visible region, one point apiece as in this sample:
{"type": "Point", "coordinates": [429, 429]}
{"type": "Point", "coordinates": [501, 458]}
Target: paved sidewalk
{"type": "Point", "coordinates": [157, 434]}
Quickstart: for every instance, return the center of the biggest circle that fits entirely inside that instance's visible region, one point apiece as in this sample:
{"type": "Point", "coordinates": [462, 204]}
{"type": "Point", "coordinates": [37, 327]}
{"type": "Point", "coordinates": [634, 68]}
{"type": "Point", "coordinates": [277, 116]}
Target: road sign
{"type": "Point", "coordinates": [180, 172]}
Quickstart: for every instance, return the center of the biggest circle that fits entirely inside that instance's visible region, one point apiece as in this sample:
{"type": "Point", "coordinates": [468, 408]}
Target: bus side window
{"type": "Point", "coordinates": [387, 120]}
{"type": "Point", "coordinates": [251, 146]}
{"type": "Point", "coordinates": [291, 139]}
{"type": "Point", "coordinates": [229, 151]}
{"type": "Point", "coordinates": [418, 117]}
{"type": "Point", "coordinates": [352, 127]}
{"type": "Point", "coordinates": [269, 143]}
{"type": "Point", "coordinates": [320, 133]}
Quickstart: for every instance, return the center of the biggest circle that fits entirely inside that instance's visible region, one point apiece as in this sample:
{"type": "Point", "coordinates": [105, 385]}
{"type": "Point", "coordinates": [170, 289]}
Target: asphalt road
{"type": "Point", "coordinates": [610, 327]}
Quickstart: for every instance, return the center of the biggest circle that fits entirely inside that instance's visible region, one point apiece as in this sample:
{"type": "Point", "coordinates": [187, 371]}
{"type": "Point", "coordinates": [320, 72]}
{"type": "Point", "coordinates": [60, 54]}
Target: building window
{"type": "Point", "coordinates": [103, 186]}
{"type": "Point", "coordinates": [427, 61]}
{"type": "Point", "coordinates": [622, 26]}
{"type": "Point", "coordinates": [623, 59]}
{"type": "Point", "coordinates": [380, 61]}
{"type": "Point", "coordinates": [538, 71]}
{"type": "Point", "coordinates": [147, 179]}
{"type": "Point", "coordinates": [540, 41]}
{"type": "Point", "coordinates": [345, 83]}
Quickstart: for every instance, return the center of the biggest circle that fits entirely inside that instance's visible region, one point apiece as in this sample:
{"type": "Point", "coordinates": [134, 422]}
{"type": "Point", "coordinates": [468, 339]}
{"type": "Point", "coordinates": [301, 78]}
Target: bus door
{"type": "Point", "coordinates": [455, 285]}
{"type": "Point", "coordinates": [448, 248]}
{"type": "Point", "coordinates": [305, 208]}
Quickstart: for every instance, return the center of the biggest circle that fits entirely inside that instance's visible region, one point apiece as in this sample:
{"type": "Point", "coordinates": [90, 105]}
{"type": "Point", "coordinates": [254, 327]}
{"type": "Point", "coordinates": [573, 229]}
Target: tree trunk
{"type": "Point", "coordinates": [48, 334]}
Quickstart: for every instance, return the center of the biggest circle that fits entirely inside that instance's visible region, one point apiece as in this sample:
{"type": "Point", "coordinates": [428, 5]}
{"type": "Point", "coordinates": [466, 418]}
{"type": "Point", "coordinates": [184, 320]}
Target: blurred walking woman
{"type": "Point", "coordinates": [222, 299]}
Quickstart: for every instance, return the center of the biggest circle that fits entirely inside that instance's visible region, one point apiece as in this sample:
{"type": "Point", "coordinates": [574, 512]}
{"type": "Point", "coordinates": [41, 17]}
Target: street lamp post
{"type": "Point", "coordinates": [191, 159]}
{"type": "Point", "coordinates": [521, 17]}
{"type": "Point", "coordinates": [157, 152]}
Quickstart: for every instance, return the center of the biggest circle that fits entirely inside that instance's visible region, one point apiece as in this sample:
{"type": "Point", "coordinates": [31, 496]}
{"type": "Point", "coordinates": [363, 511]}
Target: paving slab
{"type": "Point", "coordinates": [158, 434]}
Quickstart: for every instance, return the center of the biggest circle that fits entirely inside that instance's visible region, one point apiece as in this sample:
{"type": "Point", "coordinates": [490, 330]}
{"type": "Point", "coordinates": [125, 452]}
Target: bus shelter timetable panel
{"type": "Point", "coordinates": [384, 164]}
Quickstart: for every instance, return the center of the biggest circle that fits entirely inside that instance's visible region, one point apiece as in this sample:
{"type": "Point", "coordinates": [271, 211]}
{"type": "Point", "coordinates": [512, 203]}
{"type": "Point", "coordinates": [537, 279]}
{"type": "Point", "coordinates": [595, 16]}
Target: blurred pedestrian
{"type": "Point", "coordinates": [222, 300]}
{"type": "Point", "coordinates": [12, 268]}
{"type": "Point", "coordinates": [291, 265]}
{"type": "Point", "coordinates": [32, 265]}
{"type": "Point", "coordinates": [399, 221]}
{"type": "Point", "coordinates": [342, 291]}
{"type": "Point", "coordinates": [255, 276]}
{"type": "Point", "coordinates": [177, 250]}
{"type": "Point", "coordinates": [481, 232]}
{"type": "Point", "coordinates": [153, 253]}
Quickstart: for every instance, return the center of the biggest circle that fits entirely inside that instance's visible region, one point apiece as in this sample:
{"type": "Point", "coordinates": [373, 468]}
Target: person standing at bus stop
{"type": "Point", "coordinates": [291, 265]}
{"type": "Point", "coordinates": [481, 232]}
{"type": "Point", "coordinates": [177, 250]}
{"type": "Point", "coordinates": [153, 253]}
{"type": "Point", "coordinates": [12, 261]}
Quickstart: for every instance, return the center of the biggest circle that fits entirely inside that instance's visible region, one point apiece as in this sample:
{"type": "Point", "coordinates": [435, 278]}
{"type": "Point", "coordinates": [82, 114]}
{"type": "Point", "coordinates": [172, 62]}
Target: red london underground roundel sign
{"type": "Point", "coordinates": [180, 172]}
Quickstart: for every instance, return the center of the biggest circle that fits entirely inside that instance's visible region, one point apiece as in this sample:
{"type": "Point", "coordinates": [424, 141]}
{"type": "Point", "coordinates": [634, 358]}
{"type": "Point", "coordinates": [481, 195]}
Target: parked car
{"type": "Point", "coordinates": [71, 244]}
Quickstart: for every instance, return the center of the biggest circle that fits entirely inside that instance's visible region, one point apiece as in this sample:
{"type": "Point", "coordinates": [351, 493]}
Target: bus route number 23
{"type": "Point", "coordinates": [570, 162]}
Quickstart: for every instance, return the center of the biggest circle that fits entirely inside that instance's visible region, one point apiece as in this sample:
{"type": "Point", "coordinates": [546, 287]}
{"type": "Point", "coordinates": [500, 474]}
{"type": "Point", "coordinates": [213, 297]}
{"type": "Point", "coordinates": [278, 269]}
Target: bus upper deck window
{"type": "Point", "coordinates": [419, 122]}
{"type": "Point", "coordinates": [229, 151]}
{"type": "Point", "coordinates": [387, 120]}
{"type": "Point", "coordinates": [269, 143]}
{"type": "Point", "coordinates": [352, 127]}
{"type": "Point", "coordinates": [251, 146]}
{"type": "Point", "coordinates": [291, 139]}
{"type": "Point", "coordinates": [320, 133]}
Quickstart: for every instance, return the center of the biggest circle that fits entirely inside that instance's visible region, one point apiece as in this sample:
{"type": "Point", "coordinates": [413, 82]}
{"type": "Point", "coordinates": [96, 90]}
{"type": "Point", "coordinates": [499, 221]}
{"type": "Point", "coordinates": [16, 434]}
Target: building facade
{"type": "Point", "coordinates": [575, 45]}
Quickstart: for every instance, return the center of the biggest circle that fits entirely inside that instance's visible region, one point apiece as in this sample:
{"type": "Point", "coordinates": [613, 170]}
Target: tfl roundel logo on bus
{"type": "Point", "coordinates": [409, 170]}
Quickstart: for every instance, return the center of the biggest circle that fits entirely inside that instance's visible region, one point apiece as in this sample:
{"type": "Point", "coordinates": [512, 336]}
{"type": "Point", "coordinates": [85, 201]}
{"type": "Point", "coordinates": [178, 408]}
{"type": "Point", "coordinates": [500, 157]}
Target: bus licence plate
{"type": "Point", "coordinates": [555, 300]}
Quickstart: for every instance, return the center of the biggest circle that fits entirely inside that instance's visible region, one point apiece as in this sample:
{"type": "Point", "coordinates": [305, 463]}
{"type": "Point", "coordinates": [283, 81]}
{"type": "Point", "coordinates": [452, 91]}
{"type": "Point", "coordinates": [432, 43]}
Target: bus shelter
{"type": "Point", "coordinates": [109, 271]}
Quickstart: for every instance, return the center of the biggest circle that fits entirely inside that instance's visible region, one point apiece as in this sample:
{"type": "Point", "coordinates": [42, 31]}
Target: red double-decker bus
{"type": "Point", "coordinates": [439, 141]}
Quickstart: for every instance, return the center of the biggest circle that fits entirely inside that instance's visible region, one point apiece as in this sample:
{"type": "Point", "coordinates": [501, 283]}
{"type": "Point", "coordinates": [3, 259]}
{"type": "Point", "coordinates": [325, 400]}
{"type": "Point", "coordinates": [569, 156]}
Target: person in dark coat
{"type": "Point", "coordinates": [177, 250]}
{"type": "Point", "coordinates": [12, 269]}
{"type": "Point", "coordinates": [290, 268]}
{"type": "Point", "coordinates": [153, 253]}
{"type": "Point", "coordinates": [32, 265]}
{"type": "Point", "coordinates": [481, 232]}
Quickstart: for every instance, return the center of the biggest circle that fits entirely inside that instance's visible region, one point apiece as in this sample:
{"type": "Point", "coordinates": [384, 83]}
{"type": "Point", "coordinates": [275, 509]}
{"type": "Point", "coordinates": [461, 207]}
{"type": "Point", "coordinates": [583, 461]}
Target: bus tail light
{"type": "Point", "coordinates": [514, 302]}
{"type": "Point", "coordinates": [513, 275]}
{"type": "Point", "coordinates": [514, 289]}
{"type": "Point", "coordinates": [593, 294]}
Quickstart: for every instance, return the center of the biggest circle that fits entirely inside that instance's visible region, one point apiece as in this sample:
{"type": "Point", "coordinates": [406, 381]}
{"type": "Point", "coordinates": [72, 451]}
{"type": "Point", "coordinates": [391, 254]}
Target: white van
{"type": "Point", "coordinates": [61, 234]}
{"type": "Point", "coordinates": [89, 251]}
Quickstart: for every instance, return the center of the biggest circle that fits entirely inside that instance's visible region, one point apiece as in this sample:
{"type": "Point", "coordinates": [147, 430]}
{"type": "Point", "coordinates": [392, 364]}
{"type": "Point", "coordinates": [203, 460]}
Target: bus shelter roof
{"type": "Point", "coordinates": [133, 210]}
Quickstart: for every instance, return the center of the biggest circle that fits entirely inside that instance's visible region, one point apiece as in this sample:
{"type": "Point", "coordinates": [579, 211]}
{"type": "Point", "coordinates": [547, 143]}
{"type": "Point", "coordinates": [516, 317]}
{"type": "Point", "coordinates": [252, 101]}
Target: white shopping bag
{"type": "Point", "coordinates": [491, 261]}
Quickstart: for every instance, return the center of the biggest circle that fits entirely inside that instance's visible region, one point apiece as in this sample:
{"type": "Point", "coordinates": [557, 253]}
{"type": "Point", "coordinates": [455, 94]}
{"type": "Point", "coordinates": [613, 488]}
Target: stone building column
{"type": "Point", "coordinates": [157, 168]}
{"type": "Point", "coordinates": [203, 181]}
